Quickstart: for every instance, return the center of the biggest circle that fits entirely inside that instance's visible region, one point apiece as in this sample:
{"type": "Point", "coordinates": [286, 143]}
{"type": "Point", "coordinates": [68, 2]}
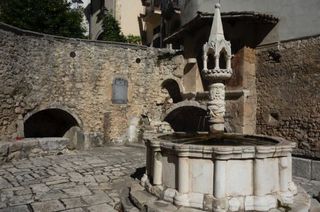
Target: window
{"type": "Point", "coordinates": [120, 91]}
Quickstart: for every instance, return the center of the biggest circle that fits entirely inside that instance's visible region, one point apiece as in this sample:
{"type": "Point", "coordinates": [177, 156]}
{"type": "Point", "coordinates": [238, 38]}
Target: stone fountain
{"type": "Point", "coordinates": [220, 171]}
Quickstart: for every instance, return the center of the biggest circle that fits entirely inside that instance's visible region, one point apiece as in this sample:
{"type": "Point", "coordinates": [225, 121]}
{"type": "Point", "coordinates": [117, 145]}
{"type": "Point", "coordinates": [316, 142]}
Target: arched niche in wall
{"type": "Point", "coordinates": [120, 91]}
{"type": "Point", "coordinates": [173, 89]}
{"type": "Point", "coordinates": [187, 116]}
{"type": "Point", "coordinates": [52, 122]}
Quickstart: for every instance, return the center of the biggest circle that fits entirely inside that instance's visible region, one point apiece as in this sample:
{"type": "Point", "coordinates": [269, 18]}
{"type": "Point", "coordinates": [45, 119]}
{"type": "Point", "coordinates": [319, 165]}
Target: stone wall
{"type": "Point", "coordinates": [41, 71]}
{"type": "Point", "coordinates": [288, 93]}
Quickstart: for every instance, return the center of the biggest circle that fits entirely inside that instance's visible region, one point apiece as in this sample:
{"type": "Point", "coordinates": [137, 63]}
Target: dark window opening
{"type": "Point", "coordinates": [222, 60]}
{"type": "Point", "coordinates": [211, 62]}
{"type": "Point", "coordinates": [49, 123]}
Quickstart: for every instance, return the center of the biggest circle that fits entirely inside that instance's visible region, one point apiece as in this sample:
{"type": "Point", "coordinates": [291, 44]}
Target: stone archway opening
{"type": "Point", "coordinates": [49, 123]}
{"type": "Point", "coordinates": [188, 119]}
{"type": "Point", "coordinates": [173, 89]}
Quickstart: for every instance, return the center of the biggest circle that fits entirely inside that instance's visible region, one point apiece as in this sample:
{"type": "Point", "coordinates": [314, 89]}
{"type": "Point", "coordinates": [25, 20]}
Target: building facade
{"type": "Point", "coordinates": [126, 12]}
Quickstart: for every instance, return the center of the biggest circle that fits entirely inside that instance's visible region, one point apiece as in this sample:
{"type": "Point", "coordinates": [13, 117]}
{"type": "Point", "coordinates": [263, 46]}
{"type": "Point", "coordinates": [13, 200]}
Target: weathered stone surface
{"type": "Point", "coordinates": [301, 167]}
{"type": "Point", "coordinates": [20, 208]}
{"type": "Point", "coordinates": [54, 205]}
{"type": "Point", "coordinates": [288, 93]}
{"type": "Point", "coordinates": [4, 149]}
{"type": "Point", "coordinates": [57, 144]}
{"type": "Point", "coordinates": [315, 170]}
{"type": "Point", "coordinates": [38, 73]}
{"type": "Point", "coordinates": [4, 183]}
{"type": "Point", "coordinates": [39, 189]}
{"type": "Point", "coordinates": [75, 210]}
{"type": "Point", "coordinates": [141, 198]}
{"type": "Point", "coordinates": [77, 191]}
{"type": "Point", "coordinates": [97, 199]}
{"type": "Point", "coordinates": [73, 202]}
{"type": "Point", "coordinates": [101, 207]}
{"type": "Point", "coordinates": [48, 179]}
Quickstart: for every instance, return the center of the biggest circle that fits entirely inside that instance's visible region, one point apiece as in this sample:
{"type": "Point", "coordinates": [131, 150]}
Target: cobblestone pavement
{"type": "Point", "coordinates": [84, 181]}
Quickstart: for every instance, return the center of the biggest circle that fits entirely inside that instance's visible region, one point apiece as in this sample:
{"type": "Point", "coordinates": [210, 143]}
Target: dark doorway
{"type": "Point", "coordinates": [49, 123]}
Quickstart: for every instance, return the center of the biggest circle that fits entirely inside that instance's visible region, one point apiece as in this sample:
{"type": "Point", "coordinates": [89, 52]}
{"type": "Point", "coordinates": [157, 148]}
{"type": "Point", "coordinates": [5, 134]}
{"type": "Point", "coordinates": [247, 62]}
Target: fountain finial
{"type": "Point", "coordinates": [216, 29]}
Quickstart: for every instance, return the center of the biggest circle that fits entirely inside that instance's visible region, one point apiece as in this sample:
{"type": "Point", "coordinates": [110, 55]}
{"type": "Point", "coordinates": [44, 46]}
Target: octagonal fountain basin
{"type": "Point", "coordinates": [230, 173]}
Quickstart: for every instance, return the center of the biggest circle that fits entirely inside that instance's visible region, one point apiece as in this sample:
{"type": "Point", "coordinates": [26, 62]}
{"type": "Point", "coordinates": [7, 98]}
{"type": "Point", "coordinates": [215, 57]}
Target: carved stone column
{"type": "Point", "coordinates": [220, 203]}
{"type": "Point", "coordinates": [217, 49]}
{"type": "Point", "coordinates": [216, 107]}
{"type": "Point", "coordinates": [157, 165]}
{"type": "Point", "coordinates": [182, 197]}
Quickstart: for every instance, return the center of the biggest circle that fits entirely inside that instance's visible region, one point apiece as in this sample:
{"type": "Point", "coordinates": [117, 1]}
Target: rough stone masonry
{"type": "Point", "coordinates": [39, 71]}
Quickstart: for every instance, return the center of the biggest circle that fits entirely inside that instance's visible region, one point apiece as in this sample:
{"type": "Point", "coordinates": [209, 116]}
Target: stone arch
{"type": "Point", "coordinates": [187, 116]}
{"type": "Point", "coordinates": [173, 88]}
{"type": "Point", "coordinates": [49, 122]}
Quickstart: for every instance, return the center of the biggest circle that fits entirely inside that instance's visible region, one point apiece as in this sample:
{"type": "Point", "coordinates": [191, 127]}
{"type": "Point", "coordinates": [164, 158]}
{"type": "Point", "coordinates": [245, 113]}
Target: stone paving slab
{"type": "Point", "coordinates": [80, 181]}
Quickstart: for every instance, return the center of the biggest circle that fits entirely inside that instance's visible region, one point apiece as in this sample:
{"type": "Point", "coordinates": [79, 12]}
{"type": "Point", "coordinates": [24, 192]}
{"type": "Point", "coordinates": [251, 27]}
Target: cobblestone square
{"type": "Point", "coordinates": [75, 181]}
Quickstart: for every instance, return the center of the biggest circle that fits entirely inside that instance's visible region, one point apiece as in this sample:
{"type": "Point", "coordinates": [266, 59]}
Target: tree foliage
{"type": "Point", "coordinates": [46, 16]}
{"type": "Point", "coordinates": [133, 39]}
{"type": "Point", "coordinates": [111, 29]}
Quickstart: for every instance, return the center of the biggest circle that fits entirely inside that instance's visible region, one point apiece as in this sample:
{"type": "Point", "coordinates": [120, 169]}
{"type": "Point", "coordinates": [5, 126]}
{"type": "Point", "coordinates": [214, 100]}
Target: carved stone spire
{"type": "Point", "coordinates": [216, 69]}
{"type": "Point", "coordinates": [217, 28]}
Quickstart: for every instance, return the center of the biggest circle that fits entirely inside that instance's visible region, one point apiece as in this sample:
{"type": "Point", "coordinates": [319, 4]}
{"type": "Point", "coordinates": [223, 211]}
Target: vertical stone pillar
{"type": "Point", "coordinates": [157, 166]}
{"type": "Point", "coordinates": [285, 180]}
{"type": "Point", "coordinates": [182, 197]}
{"type": "Point", "coordinates": [217, 108]}
{"type": "Point", "coordinates": [258, 177]}
{"type": "Point", "coordinates": [284, 174]}
{"type": "Point", "coordinates": [183, 175]}
{"type": "Point", "coordinates": [289, 158]}
{"type": "Point", "coordinates": [20, 127]}
{"type": "Point", "coordinates": [220, 179]}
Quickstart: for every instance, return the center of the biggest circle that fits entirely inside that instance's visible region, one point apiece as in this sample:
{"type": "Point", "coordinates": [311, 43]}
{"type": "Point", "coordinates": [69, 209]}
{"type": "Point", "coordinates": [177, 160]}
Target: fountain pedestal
{"type": "Point", "coordinates": [222, 178]}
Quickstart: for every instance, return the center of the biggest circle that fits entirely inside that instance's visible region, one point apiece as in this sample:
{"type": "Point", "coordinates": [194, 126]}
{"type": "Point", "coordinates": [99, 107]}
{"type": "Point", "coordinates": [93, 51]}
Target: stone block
{"type": "Point", "coordinates": [97, 199]}
{"type": "Point", "coordinates": [20, 208]}
{"type": "Point", "coordinates": [77, 191]}
{"type": "Point", "coordinates": [73, 203]}
{"type": "Point", "coordinates": [99, 208]}
{"type": "Point", "coordinates": [15, 155]}
{"type": "Point", "coordinates": [141, 198]}
{"type": "Point", "coordinates": [315, 170]}
{"type": "Point", "coordinates": [15, 146]}
{"type": "Point", "coordinates": [29, 144]}
{"type": "Point", "coordinates": [53, 144]}
{"type": "Point", "coordinates": [54, 205]}
{"type": "Point", "coordinates": [301, 167]}
{"type": "Point", "coordinates": [4, 148]}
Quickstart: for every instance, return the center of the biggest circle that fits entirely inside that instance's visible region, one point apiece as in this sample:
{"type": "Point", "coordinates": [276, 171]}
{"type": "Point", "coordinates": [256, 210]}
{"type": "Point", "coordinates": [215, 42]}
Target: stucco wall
{"type": "Point", "coordinates": [288, 93]}
{"type": "Point", "coordinates": [127, 15]}
{"type": "Point", "coordinates": [297, 18]}
{"type": "Point", "coordinates": [38, 72]}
